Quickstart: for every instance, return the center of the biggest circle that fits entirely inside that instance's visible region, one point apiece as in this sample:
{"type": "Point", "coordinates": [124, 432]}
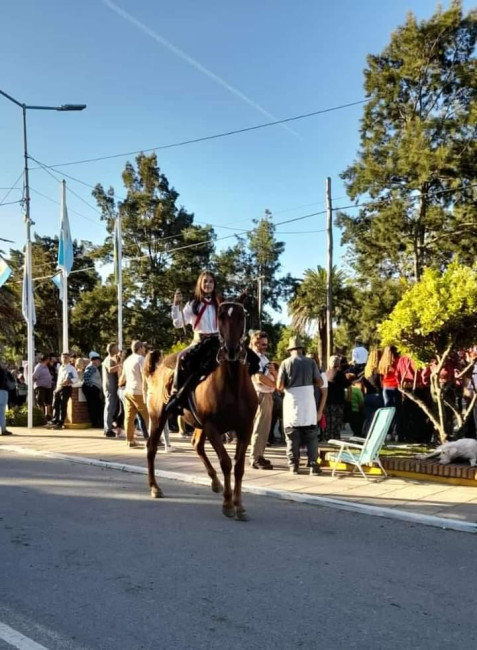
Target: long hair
{"type": "Point", "coordinates": [198, 295]}
{"type": "Point", "coordinates": [387, 360]}
{"type": "Point", "coordinates": [372, 363]}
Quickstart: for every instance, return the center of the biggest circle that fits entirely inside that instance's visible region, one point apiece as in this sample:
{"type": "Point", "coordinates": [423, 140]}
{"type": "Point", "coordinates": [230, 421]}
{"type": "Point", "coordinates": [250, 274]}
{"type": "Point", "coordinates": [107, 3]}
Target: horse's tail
{"type": "Point", "coordinates": [151, 362]}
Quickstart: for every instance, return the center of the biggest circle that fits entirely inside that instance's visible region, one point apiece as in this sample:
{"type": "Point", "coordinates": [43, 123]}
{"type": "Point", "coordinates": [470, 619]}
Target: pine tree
{"type": "Point", "coordinates": [416, 171]}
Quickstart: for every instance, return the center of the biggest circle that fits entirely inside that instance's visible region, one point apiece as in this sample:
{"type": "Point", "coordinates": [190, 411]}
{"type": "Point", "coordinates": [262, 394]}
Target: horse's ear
{"type": "Point", "coordinates": [241, 298]}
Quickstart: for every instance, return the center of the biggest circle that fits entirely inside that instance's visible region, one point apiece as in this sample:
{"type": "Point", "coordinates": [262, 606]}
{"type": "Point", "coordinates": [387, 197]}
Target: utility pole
{"type": "Point", "coordinates": [29, 314]}
{"type": "Point", "coordinates": [329, 292]}
{"type": "Point", "coordinates": [119, 262]}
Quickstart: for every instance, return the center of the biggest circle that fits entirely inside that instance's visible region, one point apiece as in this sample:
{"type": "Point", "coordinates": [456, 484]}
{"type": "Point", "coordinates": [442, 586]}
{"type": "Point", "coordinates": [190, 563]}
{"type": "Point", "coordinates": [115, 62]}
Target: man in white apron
{"type": "Point", "coordinates": [297, 377]}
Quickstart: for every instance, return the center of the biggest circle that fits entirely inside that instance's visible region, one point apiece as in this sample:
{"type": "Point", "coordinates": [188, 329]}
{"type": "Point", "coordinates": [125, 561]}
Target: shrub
{"type": "Point", "coordinates": [18, 416]}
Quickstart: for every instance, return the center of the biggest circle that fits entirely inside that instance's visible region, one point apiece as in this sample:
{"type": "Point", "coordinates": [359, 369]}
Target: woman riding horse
{"type": "Point", "coordinates": [201, 313]}
{"type": "Point", "coordinates": [225, 400]}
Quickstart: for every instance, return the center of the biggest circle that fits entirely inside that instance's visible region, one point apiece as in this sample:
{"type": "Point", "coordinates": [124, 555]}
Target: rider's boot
{"type": "Point", "coordinates": [174, 405]}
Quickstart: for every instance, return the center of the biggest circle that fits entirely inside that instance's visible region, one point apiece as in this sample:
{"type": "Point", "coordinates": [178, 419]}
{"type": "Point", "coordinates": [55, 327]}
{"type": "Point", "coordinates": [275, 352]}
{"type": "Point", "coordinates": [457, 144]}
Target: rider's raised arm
{"type": "Point", "coordinates": [182, 317]}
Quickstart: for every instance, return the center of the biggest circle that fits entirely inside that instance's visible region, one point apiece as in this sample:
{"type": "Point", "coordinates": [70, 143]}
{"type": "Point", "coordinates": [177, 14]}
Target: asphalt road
{"type": "Point", "coordinates": [90, 561]}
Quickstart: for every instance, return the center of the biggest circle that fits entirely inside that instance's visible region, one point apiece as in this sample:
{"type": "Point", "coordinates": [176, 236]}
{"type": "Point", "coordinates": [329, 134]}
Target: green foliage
{"type": "Point", "coordinates": [418, 144]}
{"type": "Point", "coordinates": [372, 303]}
{"type": "Point", "coordinates": [253, 256]}
{"type": "Point", "coordinates": [282, 345]}
{"type": "Point", "coordinates": [437, 313]}
{"type": "Point", "coordinates": [308, 307]}
{"type": "Point", "coordinates": [162, 248]}
{"type": "Point", "coordinates": [47, 302]}
{"type": "Point", "coordinates": [18, 416]}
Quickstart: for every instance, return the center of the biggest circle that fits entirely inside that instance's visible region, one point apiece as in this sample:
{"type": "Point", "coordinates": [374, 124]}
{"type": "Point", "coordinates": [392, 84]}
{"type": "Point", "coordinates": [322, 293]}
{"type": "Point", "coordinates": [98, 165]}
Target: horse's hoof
{"type": "Point", "coordinates": [228, 512]}
{"type": "Point", "coordinates": [217, 486]}
{"type": "Point", "coordinates": [241, 515]}
{"type": "Point", "coordinates": [157, 493]}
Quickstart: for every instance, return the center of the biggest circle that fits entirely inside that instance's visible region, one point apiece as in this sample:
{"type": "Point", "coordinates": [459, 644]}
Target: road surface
{"type": "Point", "coordinates": [90, 561]}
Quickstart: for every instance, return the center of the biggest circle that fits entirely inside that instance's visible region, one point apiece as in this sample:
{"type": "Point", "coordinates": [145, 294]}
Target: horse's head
{"type": "Point", "coordinates": [231, 325]}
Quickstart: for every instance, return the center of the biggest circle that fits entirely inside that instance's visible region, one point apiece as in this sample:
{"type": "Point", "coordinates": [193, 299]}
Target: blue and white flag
{"type": "Point", "coordinates": [27, 297]}
{"type": "Point", "coordinates": [58, 282]}
{"type": "Point", "coordinates": [5, 272]}
{"type": "Point", "coordinates": [65, 244]}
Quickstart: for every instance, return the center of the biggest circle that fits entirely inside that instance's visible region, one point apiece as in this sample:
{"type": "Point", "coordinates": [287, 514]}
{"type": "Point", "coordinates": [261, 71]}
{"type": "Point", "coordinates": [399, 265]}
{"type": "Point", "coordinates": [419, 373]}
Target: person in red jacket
{"type": "Point", "coordinates": [389, 381]}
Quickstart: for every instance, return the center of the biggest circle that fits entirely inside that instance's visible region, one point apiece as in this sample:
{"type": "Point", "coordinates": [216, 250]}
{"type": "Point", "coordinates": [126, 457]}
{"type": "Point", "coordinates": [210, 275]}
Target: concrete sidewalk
{"type": "Point", "coordinates": [425, 502]}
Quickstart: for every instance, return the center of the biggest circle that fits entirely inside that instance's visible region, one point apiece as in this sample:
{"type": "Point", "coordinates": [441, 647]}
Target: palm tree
{"type": "Point", "coordinates": [308, 307]}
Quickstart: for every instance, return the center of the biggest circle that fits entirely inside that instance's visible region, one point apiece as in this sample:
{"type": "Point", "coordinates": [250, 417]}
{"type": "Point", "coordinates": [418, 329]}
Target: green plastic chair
{"type": "Point", "coordinates": [365, 451]}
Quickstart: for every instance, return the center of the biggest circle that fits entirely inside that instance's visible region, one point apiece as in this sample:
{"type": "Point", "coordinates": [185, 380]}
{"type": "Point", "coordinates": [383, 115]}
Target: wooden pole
{"type": "Point", "coordinates": [329, 293]}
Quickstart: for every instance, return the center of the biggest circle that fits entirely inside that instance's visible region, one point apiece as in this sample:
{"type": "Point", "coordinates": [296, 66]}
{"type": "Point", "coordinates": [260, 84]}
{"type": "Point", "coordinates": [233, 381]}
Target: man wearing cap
{"type": "Point", "coordinates": [359, 356]}
{"type": "Point", "coordinates": [93, 389]}
{"type": "Point", "coordinates": [66, 376]}
{"type": "Point", "coordinates": [297, 377]}
{"type": "Point", "coordinates": [112, 367]}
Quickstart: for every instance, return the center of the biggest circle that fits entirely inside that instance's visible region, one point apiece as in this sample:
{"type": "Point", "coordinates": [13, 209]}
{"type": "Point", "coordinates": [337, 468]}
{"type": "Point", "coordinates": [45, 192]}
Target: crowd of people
{"type": "Point", "coordinates": [299, 403]}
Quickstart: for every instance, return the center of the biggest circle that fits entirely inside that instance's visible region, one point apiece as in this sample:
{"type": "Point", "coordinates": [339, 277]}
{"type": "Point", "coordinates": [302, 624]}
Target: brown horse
{"type": "Point", "coordinates": [226, 401]}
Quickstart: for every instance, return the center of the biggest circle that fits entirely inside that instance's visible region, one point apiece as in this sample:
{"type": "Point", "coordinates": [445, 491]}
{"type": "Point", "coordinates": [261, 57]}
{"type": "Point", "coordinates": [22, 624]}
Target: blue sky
{"type": "Point", "coordinates": [155, 72]}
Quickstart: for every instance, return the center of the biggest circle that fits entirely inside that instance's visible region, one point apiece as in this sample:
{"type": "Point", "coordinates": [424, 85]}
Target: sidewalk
{"type": "Point", "coordinates": [436, 504]}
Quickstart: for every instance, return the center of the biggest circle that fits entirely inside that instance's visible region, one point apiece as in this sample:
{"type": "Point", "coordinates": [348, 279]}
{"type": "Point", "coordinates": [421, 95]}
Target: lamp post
{"type": "Point", "coordinates": [28, 249]}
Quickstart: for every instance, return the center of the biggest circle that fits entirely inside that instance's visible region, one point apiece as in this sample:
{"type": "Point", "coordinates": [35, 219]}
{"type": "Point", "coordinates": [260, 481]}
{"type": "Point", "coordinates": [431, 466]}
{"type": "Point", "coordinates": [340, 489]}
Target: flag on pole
{"type": "Point", "coordinates": [5, 272]}
{"type": "Point", "coordinates": [58, 282]}
{"type": "Point", "coordinates": [27, 297]}
{"type": "Point", "coordinates": [116, 244]}
{"type": "Point", "coordinates": [65, 244]}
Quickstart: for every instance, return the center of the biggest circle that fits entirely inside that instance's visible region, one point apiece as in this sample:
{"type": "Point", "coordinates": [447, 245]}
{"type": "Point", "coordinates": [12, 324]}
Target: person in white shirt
{"type": "Point", "coordinates": [359, 356]}
{"type": "Point", "coordinates": [264, 384]}
{"type": "Point", "coordinates": [67, 376]}
{"type": "Point", "coordinates": [135, 390]}
{"type": "Point", "coordinates": [201, 314]}
{"type": "Point", "coordinates": [297, 377]}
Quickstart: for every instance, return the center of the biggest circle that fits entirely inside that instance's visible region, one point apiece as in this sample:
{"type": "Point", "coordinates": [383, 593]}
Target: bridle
{"type": "Point", "coordinates": [240, 352]}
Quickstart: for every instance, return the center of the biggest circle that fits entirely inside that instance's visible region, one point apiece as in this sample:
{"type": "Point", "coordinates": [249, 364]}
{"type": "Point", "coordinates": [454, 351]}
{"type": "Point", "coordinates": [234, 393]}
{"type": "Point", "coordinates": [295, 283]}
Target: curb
{"type": "Point", "coordinates": [338, 504]}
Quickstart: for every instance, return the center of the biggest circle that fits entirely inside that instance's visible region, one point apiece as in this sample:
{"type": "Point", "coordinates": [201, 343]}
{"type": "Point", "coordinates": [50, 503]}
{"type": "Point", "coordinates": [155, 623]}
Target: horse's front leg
{"type": "Point", "coordinates": [239, 468]}
{"type": "Point", "coordinates": [215, 439]}
{"type": "Point", "coordinates": [156, 425]}
{"type": "Point", "coordinates": [198, 442]}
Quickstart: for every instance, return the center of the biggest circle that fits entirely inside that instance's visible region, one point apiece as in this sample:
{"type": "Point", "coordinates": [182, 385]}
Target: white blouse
{"type": "Point", "coordinates": [207, 323]}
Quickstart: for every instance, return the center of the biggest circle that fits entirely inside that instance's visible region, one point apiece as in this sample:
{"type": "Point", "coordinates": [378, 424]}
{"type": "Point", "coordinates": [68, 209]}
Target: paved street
{"type": "Point", "coordinates": [90, 561]}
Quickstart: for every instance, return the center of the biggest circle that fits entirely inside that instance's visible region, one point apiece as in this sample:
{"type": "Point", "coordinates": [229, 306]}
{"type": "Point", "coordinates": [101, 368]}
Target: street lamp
{"type": "Point", "coordinates": [28, 250]}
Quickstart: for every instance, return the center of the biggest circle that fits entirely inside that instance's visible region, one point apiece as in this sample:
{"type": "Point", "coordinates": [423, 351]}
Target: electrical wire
{"type": "Point", "coordinates": [11, 188]}
{"type": "Point", "coordinates": [11, 202]}
{"type": "Point", "coordinates": [216, 136]}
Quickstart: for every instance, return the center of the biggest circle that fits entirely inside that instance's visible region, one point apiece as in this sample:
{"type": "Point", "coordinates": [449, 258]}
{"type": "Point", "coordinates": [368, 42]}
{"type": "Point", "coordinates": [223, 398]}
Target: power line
{"type": "Point", "coordinates": [11, 188]}
{"type": "Point", "coordinates": [11, 202]}
{"type": "Point", "coordinates": [206, 138]}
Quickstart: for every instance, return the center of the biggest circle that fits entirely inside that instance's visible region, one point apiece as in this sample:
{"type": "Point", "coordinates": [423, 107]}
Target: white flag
{"type": "Point", "coordinates": [27, 297]}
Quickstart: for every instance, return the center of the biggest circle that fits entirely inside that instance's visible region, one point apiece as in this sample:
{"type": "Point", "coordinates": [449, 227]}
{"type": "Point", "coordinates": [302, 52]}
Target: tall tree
{"type": "Point", "coordinates": [162, 247]}
{"type": "Point", "coordinates": [434, 320]}
{"type": "Point", "coordinates": [417, 165]}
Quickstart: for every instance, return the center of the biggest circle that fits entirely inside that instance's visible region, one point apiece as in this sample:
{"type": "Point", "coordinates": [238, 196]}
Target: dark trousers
{"type": "Point", "coordinates": [95, 405]}
{"type": "Point", "coordinates": [295, 437]}
{"type": "Point", "coordinates": [60, 403]}
{"type": "Point", "coordinates": [356, 421]}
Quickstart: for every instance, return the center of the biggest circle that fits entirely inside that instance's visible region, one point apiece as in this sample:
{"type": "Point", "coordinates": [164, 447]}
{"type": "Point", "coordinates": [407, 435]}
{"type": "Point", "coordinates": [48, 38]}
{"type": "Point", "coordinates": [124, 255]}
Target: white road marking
{"type": "Point", "coordinates": [18, 640]}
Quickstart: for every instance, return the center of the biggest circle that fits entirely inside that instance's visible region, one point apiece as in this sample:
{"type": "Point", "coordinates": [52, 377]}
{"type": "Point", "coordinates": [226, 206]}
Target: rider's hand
{"type": "Point", "coordinates": [177, 297]}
